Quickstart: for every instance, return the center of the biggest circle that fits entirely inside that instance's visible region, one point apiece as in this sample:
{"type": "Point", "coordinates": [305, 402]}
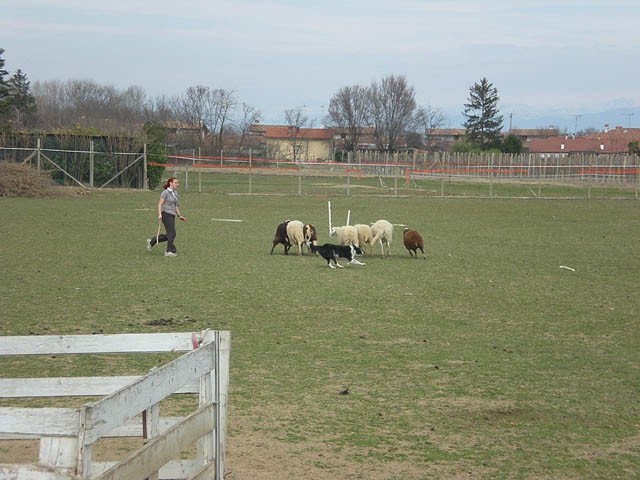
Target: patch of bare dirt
{"type": "Point", "coordinates": [256, 449]}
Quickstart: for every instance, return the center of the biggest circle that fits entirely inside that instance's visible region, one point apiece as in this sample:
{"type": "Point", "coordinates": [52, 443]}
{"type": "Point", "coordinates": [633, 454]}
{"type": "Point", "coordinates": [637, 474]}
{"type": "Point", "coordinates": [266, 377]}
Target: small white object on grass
{"type": "Point", "coordinates": [568, 268]}
{"type": "Point", "coordinates": [225, 220]}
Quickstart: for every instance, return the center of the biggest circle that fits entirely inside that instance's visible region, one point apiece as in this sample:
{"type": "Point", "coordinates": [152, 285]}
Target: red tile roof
{"type": "Point", "coordinates": [285, 131]}
{"type": "Point", "coordinates": [611, 141]}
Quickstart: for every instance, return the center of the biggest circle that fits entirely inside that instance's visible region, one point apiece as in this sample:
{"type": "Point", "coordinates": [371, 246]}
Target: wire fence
{"type": "Point", "coordinates": [92, 167]}
{"type": "Point", "coordinates": [364, 173]}
{"type": "Point", "coordinates": [424, 174]}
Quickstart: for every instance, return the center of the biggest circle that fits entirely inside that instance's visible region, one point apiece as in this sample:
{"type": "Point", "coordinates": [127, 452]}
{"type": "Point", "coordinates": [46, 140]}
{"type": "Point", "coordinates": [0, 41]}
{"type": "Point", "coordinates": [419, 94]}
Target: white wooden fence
{"type": "Point", "coordinates": [130, 408]}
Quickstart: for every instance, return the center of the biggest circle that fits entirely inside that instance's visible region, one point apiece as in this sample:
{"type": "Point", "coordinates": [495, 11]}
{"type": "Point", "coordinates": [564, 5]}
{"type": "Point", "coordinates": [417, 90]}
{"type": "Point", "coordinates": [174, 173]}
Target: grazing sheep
{"type": "Point", "coordinates": [364, 235]}
{"type": "Point", "coordinates": [295, 233]}
{"type": "Point", "coordinates": [347, 235]}
{"type": "Point", "coordinates": [382, 232]}
{"type": "Point", "coordinates": [310, 235]}
{"type": "Point", "coordinates": [281, 237]}
{"type": "Point", "coordinates": [413, 242]}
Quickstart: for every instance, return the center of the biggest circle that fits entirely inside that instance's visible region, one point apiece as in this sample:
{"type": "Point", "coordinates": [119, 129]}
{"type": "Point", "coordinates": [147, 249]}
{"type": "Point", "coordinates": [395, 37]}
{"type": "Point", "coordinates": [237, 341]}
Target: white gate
{"type": "Point", "coordinates": [130, 408]}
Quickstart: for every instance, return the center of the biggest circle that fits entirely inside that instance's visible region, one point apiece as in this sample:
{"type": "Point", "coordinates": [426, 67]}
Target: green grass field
{"type": "Point", "coordinates": [487, 360]}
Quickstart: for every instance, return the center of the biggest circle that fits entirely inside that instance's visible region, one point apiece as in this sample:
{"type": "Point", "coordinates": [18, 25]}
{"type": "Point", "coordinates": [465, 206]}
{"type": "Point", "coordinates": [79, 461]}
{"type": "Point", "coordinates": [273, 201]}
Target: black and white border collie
{"type": "Point", "coordinates": [331, 252]}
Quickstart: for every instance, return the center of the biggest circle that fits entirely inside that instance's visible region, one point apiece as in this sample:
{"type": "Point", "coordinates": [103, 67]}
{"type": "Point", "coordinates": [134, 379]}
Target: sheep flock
{"type": "Point", "coordinates": [364, 237]}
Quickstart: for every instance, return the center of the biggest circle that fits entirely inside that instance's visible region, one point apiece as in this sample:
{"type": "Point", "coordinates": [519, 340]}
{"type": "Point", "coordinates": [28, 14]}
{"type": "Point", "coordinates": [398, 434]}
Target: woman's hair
{"type": "Point", "coordinates": [169, 180]}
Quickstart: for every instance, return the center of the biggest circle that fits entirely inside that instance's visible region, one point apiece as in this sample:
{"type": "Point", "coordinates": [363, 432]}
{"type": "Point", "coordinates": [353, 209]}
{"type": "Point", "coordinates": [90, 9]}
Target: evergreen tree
{"type": "Point", "coordinates": [22, 103]}
{"type": "Point", "coordinates": [483, 120]}
{"type": "Point", "coordinates": [4, 89]}
{"type": "Point", "coordinates": [512, 144]}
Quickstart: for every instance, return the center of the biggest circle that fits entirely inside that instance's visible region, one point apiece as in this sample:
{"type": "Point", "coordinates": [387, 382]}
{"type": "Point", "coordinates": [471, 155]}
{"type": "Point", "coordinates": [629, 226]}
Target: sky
{"type": "Point", "coordinates": [552, 59]}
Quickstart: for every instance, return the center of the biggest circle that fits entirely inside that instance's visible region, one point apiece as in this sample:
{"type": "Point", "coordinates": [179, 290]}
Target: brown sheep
{"type": "Point", "coordinates": [413, 242]}
{"type": "Point", "coordinates": [281, 237]}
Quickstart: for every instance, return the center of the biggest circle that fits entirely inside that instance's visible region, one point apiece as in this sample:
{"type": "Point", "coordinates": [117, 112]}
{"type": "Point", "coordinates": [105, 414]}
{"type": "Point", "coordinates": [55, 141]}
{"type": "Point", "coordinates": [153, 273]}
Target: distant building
{"type": "Point", "coordinates": [604, 142]}
{"type": "Point", "coordinates": [366, 138]}
{"type": "Point", "coordinates": [178, 127]}
{"type": "Point", "coordinates": [321, 144]}
{"type": "Point", "coordinates": [289, 142]}
{"type": "Point", "coordinates": [444, 138]}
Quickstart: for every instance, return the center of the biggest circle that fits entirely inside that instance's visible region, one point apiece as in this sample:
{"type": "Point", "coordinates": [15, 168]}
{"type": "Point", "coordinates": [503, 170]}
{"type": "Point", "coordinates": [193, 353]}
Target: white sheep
{"type": "Point", "coordinates": [347, 235]}
{"type": "Point", "coordinates": [295, 234]}
{"type": "Point", "coordinates": [382, 232]}
{"type": "Point", "coordinates": [364, 234]}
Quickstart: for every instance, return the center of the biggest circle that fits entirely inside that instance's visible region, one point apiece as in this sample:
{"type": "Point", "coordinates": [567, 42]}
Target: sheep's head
{"type": "Point", "coordinates": [334, 231]}
{"type": "Point", "coordinates": [310, 233]}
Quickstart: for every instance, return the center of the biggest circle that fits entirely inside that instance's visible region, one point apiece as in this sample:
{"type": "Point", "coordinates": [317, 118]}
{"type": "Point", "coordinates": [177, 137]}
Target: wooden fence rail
{"type": "Point", "coordinates": [130, 407]}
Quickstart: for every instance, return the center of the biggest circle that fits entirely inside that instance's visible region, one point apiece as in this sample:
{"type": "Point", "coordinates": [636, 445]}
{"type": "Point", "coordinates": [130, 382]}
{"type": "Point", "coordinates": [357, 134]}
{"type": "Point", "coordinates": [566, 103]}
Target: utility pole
{"type": "Point", "coordinates": [628, 115]}
{"type": "Point", "coordinates": [576, 115]}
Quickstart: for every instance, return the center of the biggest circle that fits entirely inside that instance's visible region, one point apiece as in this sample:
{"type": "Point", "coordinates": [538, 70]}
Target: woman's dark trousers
{"type": "Point", "coordinates": [169, 222]}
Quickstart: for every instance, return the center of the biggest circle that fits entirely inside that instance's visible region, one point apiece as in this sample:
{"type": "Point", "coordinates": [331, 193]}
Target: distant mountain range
{"type": "Point", "coordinates": [565, 121]}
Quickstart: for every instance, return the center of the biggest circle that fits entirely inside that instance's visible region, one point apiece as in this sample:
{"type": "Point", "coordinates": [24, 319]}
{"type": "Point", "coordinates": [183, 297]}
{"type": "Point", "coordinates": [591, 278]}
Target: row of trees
{"type": "Point", "coordinates": [386, 109]}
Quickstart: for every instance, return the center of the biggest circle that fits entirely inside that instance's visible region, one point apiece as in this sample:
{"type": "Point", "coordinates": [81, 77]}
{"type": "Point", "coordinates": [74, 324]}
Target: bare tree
{"type": "Point", "coordinates": [83, 104]}
{"type": "Point", "coordinates": [88, 100]}
{"type": "Point", "coordinates": [191, 106]}
{"type": "Point", "coordinates": [392, 103]}
{"type": "Point", "coordinates": [349, 112]}
{"type": "Point", "coordinates": [296, 120]}
{"type": "Point", "coordinates": [428, 119]}
{"type": "Point", "coordinates": [209, 109]}
{"type": "Point", "coordinates": [50, 98]}
{"type": "Point", "coordinates": [220, 107]}
{"type": "Point", "coordinates": [161, 109]}
{"type": "Point", "coordinates": [248, 116]}
{"type": "Point", "coordinates": [132, 101]}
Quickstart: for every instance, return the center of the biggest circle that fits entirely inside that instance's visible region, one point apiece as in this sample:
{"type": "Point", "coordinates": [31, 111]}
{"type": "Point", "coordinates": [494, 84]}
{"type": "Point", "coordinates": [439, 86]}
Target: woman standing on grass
{"type": "Point", "coordinates": [168, 209]}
